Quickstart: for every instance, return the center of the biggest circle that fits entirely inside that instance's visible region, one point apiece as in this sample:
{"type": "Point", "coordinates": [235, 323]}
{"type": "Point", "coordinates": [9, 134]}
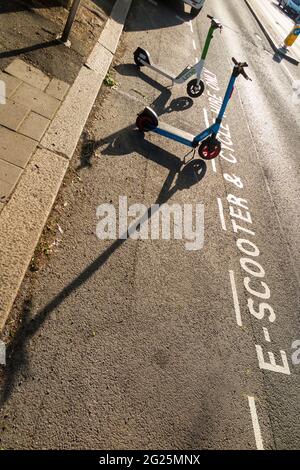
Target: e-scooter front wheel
{"type": "Point", "coordinates": [194, 90]}
{"type": "Point", "coordinates": [146, 120]}
{"type": "Point", "coordinates": [209, 148]}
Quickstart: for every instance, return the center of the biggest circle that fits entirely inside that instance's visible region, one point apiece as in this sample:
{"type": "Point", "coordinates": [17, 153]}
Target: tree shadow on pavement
{"type": "Point", "coordinates": [17, 358]}
{"type": "Point", "coordinates": [11, 6]}
{"type": "Point", "coordinates": [35, 47]}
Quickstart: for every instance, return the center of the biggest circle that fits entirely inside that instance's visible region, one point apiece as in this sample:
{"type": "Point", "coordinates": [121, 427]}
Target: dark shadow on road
{"type": "Point", "coordinates": [132, 70]}
{"type": "Point", "coordinates": [179, 178]}
{"type": "Point", "coordinates": [159, 105]}
{"type": "Point", "coordinates": [145, 16]}
{"type": "Point", "coordinates": [124, 142]}
{"type": "Point", "coordinates": [131, 140]}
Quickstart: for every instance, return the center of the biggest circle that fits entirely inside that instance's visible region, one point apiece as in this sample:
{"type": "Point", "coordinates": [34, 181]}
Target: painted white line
{"type": "Point", "coordinates": [206, 117]}
{"type": "Point", "coordinates": [194, 44]}
{"type": "Point", "coordinates": [196, 60]}
{"type": "Point", "coordinates": [153, 2]}
{"type": "Point", "coordinates": [255, 424]}
{"type": "Point", "coordinates": [221, 211]}
{"type": "Point", "coordinates": [288, 72]}
{"type": "Point", "coordinates": [191, 26]}
{"type": "Point", "coordinates": [235, 299]}
{"type": "Point", "coordinates": [213, 162]}
{"type": "Point", "coordinates": [127, 95]}
{"type": "Point", "coordinates": [266, 334]}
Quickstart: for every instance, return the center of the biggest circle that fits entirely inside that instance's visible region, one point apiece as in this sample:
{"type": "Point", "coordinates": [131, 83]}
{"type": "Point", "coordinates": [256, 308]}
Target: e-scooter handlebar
{"type": "Point", "coordinates": [240, 68]}
{"type": "Point", "coordinates": [216, 23]}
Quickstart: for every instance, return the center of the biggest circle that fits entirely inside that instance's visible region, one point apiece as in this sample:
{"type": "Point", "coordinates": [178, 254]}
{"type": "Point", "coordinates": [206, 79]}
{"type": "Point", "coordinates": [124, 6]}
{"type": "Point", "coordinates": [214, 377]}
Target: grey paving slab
{"type": "Point", "coordinates": [36, 100]}
{"type": "Point", "coordinates": [15, 148]}
{"type": "Point", "coordinates": [11, 83]}
{"type": "Point", "coordinates": [9, 175]}
{"type": "Point", "coordinates": [65, 129]}
{"type": "Point", "coordinates": [34, 126]}
{"type": "Point", "coordinates": [28, 74]}
{"type": "Point", "coordinates": [57, 89]}
{"type": "Point", "coordinates": [99, 59]}
{"type": "Point", "coordinates": [113, 29]}
{"type": "Point", "coordinates": [12, 114]}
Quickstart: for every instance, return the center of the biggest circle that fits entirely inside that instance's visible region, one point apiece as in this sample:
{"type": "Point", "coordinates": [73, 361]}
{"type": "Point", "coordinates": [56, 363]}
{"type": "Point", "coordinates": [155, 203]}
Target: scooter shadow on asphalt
{"type": "Point", "coordinates": [125, 142]}
{"type": "Point", "coordinates": [159, 105]}
{"type": "Point", "coordinates": [178, 178]}
{"type": "Point", "coordinates": [189, 171]}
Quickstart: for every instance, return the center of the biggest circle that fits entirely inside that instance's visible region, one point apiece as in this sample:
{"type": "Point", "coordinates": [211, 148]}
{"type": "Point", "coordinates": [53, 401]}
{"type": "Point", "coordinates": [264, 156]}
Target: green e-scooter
{"type": "Point", "coordinates": [195, 87]}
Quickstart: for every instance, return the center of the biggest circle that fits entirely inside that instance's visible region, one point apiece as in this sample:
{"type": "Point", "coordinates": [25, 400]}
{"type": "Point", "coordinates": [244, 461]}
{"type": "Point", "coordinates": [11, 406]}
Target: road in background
{"type": "Point", "coordinates": [144, 344]}
{"type": "Point", "coordinates": [278, 21]}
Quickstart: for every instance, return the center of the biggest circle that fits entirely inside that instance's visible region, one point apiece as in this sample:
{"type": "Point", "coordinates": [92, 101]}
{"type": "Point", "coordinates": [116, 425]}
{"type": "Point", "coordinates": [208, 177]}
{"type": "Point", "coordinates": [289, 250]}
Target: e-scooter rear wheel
{"type": "Point", "coordinates": [209, 148]}
{"type": "Point", "coordinates": [194, 90]}
{"type": "Point", "coordinates": [146, 121]}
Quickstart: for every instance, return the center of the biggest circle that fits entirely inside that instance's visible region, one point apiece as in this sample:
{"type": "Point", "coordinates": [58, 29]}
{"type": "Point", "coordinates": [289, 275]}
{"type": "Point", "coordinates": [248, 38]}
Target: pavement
{"type": "Point", "coordinates": [41, 118]}
{"type": "Point", "coordinates": [32, 100]}
{"type": "Point", "coordinates": [143, 344]}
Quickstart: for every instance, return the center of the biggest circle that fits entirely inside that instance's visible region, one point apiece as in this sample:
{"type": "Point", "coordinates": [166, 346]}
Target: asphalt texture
{"type": "Point", "coordinates": [130, 344]}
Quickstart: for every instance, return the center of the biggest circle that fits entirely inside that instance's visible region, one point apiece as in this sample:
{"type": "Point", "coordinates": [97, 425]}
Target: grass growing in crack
{"type": "Point", "coordinates": [109, 81]}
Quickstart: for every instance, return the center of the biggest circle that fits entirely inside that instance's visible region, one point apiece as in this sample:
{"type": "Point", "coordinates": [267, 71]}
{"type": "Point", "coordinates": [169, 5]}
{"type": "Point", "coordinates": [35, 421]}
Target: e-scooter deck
{"type": "Point", "coordinates": [180, 136]}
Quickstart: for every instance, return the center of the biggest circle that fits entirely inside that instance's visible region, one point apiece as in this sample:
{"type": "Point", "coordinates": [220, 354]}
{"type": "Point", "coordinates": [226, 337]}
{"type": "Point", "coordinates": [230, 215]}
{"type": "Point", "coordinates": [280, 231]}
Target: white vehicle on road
{"type": "Point", "coordinates": [196, 6]}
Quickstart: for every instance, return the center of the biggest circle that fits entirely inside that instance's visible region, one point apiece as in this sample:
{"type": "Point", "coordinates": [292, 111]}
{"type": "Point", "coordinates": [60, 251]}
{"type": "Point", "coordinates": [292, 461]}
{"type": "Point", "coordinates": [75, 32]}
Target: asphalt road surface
{"type": "Point", "coordinates": [144, 343]}
{"type": "Point", "coordinates": [279, 21]}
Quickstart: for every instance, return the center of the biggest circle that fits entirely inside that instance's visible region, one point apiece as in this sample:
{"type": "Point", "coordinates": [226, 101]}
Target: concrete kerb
{"type": "Point", "coordinates": [275, 46]}
{"type": "Point", "coordinates": [23, 218]}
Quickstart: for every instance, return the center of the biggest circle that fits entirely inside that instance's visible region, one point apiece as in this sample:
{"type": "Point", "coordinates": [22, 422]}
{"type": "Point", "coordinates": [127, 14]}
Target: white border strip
{"type": "Point", "coordinates": [266, 334]}
{"type": "Point", "coordinates": [221, 211]}
{"type": "Point", "coordinates": [255, 424]}
{"type": "Point", "coordinates": [235, 299]}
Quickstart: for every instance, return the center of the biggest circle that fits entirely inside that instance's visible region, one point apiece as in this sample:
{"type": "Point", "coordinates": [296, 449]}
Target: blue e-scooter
{"type": "Point", "coordinates": [210, 146]}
